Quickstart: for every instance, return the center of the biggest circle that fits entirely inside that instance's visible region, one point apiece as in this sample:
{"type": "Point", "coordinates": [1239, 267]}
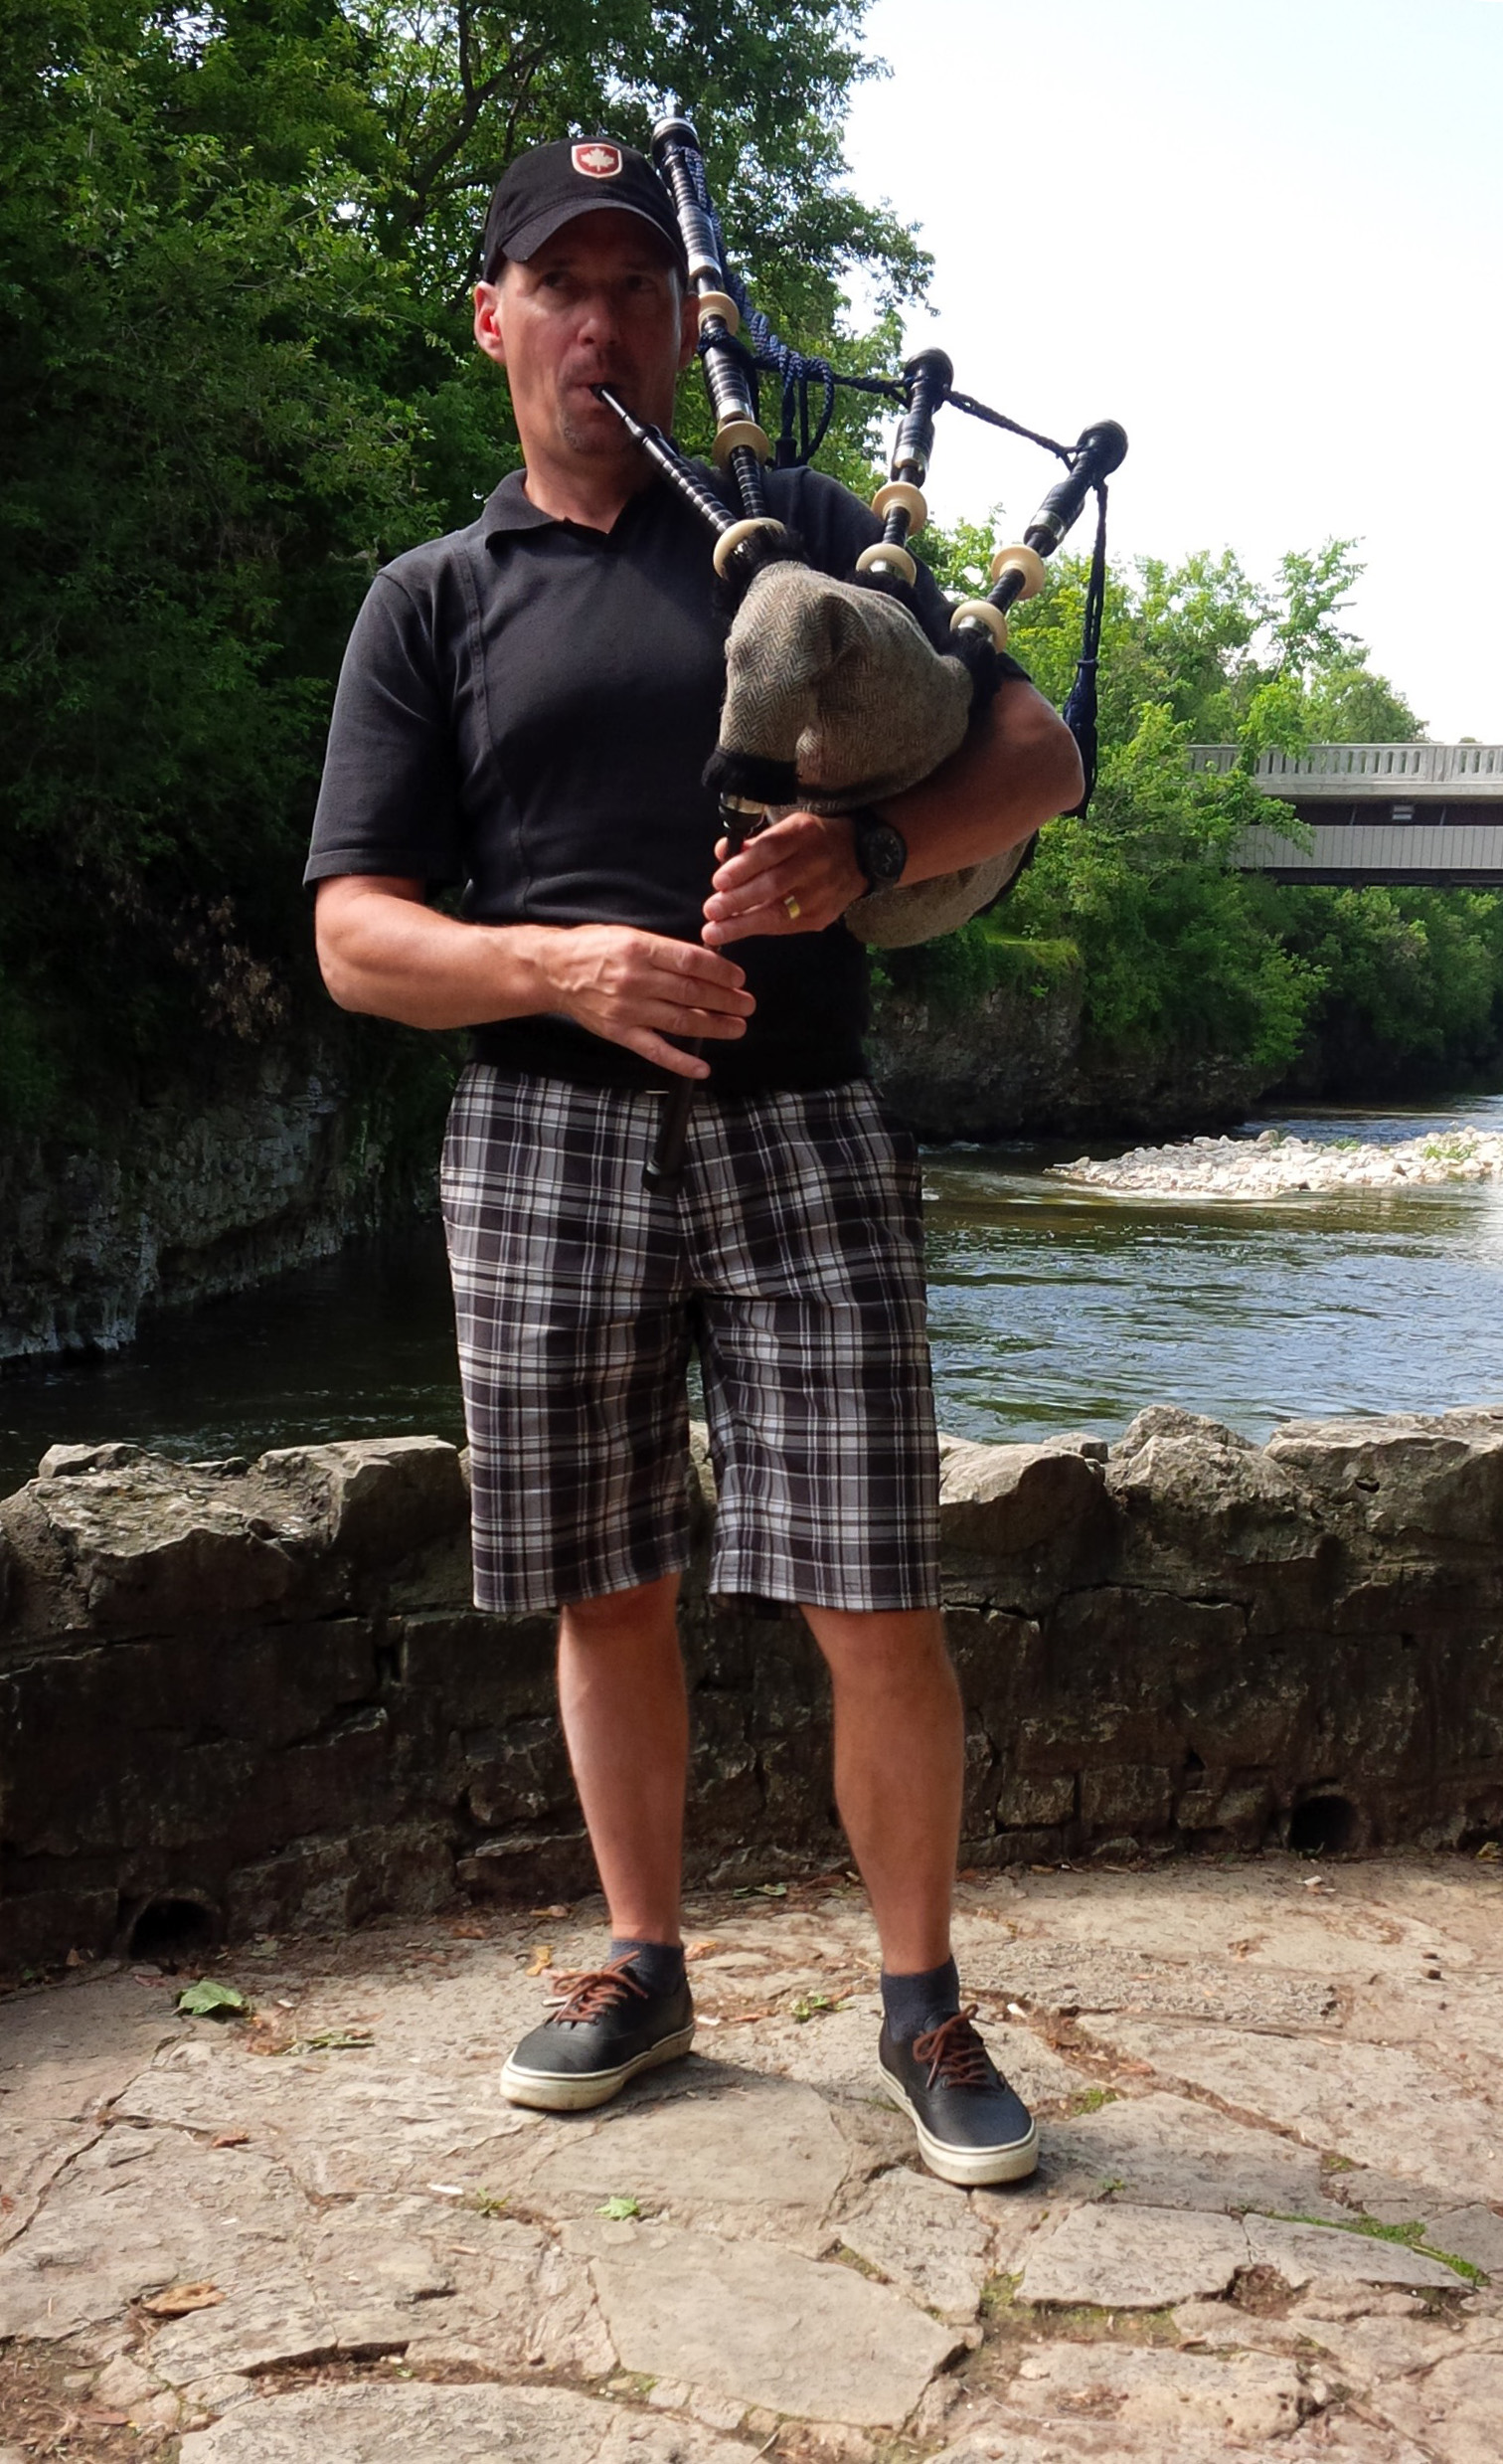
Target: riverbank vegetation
{"type": "Point", "coordinates": [236, 376]}
{"type": "Point", "coordinates": [1339, 987]}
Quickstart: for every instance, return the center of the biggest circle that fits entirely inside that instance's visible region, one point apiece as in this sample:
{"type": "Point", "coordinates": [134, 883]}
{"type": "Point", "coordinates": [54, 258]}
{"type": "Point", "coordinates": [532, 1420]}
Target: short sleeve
{"type": "Point", "coordinates": [389, 802]}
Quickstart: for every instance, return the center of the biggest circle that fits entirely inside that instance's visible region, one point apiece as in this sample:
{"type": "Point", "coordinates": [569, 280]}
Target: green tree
{"type": "Point", "coordinates": [1179, 951]}
{"type": "Point", "coordinates": [235, 375]}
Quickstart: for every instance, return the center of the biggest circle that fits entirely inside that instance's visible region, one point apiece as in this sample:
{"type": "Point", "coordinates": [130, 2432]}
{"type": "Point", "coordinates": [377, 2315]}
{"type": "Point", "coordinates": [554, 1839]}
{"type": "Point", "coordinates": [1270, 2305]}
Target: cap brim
{"type": "Point", "coordinates": [526, 243]}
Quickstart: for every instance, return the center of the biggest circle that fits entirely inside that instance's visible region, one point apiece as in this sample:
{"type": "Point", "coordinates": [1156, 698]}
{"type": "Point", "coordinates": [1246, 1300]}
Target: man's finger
{"type": "Point", "coordinates": [666, 1056]}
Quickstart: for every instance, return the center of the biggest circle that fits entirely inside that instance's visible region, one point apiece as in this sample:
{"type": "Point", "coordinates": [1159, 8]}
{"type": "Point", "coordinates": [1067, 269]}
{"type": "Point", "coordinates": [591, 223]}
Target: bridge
{"type": "Point", "coordinates": [1430, 815]}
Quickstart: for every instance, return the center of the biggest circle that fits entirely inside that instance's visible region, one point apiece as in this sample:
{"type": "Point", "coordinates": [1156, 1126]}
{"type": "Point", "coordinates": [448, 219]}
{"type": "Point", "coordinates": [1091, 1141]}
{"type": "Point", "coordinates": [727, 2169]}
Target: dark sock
{"type": "Point", "coordinates": [913, 2004]}
{"type": "Point", "coordinates": [659, 1965]}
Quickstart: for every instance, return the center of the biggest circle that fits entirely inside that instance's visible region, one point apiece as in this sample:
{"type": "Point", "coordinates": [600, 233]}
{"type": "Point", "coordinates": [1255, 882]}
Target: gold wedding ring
{"type": "Point", "coordinates": [794, 908]}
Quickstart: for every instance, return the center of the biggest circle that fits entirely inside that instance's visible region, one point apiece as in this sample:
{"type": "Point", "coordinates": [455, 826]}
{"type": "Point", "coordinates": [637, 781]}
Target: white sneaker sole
{"type": "Point", "coordinates": [556, 2091]}
{"type": "Point", "coordinates": [969, 2168]}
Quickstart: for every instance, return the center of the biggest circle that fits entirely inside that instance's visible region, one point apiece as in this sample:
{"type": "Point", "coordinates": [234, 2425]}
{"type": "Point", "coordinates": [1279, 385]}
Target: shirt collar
{"type": "Point", "coordinates": [510, 507]}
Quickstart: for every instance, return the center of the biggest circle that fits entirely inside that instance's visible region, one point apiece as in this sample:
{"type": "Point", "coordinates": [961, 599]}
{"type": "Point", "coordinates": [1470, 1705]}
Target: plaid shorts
{"type": "Point", "coordinates": [792, 1259]}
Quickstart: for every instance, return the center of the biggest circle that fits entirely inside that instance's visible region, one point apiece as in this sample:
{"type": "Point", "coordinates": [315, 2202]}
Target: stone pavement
{"type": "Point", "coordinates": [1270, 2197]}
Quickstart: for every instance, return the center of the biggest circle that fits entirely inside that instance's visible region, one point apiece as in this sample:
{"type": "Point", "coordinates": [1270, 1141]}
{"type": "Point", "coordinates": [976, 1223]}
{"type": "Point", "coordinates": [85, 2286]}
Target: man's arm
{"type": "Point", "coordinates": [1017, 768]}
{"type": "Point", "coordinates": [386, 952]}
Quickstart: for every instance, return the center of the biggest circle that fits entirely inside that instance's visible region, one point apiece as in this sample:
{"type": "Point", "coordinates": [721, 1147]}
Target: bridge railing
{"type": "Point", "coordinates": [1399, 766]}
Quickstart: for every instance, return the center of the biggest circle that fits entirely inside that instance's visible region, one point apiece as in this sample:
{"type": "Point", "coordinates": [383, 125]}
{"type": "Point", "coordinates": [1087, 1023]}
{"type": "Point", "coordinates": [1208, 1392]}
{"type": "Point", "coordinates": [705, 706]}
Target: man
{"type": "Point", "coordinates": [526, 707]}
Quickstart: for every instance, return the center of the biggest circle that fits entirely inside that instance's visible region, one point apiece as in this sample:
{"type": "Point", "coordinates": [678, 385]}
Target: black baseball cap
{"type": "Point", "coordinates": [550, 184]}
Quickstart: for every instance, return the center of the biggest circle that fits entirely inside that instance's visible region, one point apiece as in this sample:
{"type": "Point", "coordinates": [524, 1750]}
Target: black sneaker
{"type": "Point", "coordinates": [606, 2028]}
{"type": "Point", "coordinates": [972, 2127]}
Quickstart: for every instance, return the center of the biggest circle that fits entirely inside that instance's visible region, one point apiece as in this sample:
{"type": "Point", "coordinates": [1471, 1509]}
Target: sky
{"type": "Point", "coordinates": [1268, 241]}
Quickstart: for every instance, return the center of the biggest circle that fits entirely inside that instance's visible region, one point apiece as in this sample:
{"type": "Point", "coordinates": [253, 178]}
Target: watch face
{"type": "Point", "coordinates": [882, 852]}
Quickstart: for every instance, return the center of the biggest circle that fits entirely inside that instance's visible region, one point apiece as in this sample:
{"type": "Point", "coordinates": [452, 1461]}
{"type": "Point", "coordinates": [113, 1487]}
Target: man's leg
{"type": "Point", "coordinates": [898, 1764]}
{"type": "Point", "coordinates": [624, 1710]}
{"type": "Point", "coordinates": [898, 1769]}
{"type": "Point", "coordinates": [625, 1715]}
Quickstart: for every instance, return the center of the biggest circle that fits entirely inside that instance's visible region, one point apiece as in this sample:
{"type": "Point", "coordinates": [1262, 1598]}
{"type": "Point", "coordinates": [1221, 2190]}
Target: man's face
{"type": "Point", "coordinates": [600, 303]}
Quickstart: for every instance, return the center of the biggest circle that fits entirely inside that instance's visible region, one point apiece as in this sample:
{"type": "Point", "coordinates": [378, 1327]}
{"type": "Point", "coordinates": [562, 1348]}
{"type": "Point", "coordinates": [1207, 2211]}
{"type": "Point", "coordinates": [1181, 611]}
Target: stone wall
{"type": "Point", "coordinates": [233, 1696]}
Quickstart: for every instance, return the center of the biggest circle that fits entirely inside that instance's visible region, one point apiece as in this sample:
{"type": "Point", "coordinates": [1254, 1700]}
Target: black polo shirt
{"type": "Point", "coordinates": [526, 707]}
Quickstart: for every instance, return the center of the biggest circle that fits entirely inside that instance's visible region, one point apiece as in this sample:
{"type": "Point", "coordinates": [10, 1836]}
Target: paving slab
{"type": "Point", "coordinates": [1246, 2397]}
{"type": "Point", "coordinates": [763, 2326]}
{"type": "Point", "coordinates": [746, 2148]}
{"type": "Point", "coordinates": [63, 2061]}
{"type": "Point", "coordinates": [1132, 2259]}
{"type": "Point", "coordinates": [1161, 2151]}
{"type": "Point", "coordinates": [1097, 1976]}
{"type": "Point", "coordinates": [450, 2425]}
{"type": "Point", "coordinates": [926, 2236]}
{"type": "Point", "coordinates": [1379, 2105]}
{"type": "Point", "coordinates": [1299, 2253]}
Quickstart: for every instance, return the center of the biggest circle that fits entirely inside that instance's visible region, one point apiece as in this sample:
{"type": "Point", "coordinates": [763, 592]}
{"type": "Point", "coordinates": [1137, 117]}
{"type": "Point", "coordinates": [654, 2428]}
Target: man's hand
{"type": "Point", "coordinates": [807, 857]}
{"type": "Point", "coordinates": [636, 988]}
{"type": "Point", "coordinates": [387, 953]}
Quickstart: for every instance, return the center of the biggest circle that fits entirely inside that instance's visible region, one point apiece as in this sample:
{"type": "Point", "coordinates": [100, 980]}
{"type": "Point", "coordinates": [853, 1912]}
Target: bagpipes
{"type": "Point", "coordinates": [835, 697]}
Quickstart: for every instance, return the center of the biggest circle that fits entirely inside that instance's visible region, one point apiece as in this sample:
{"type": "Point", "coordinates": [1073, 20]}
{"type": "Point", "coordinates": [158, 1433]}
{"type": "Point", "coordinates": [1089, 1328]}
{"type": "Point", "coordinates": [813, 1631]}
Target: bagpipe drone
{"type": "Point", "coordinates": [835, 697]}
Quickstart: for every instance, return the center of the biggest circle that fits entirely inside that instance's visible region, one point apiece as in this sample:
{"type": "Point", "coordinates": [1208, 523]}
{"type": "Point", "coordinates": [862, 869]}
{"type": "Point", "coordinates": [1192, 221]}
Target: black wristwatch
{"type": "Point", "coordinates": [881, 851]}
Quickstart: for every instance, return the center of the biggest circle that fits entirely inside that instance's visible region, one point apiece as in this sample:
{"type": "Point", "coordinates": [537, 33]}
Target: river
{"type": "Point", "coordinates": [1051, 1307]}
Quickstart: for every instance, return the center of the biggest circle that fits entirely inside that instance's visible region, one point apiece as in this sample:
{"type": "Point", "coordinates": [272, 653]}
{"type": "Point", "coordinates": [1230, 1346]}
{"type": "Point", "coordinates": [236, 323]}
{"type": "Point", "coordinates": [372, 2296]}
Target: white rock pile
{"type": "Point", "coordinates": [1274, 1165]}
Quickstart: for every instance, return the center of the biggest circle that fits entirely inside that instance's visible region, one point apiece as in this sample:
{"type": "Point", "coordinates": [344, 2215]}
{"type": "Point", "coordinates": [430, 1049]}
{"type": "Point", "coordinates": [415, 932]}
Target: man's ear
{"type": "Point", "coordinates": [488, 332]}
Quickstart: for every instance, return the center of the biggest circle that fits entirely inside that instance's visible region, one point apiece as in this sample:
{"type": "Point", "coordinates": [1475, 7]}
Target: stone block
{"type": "Point", "coordinates": [1126, 1797]}
{"type": "Point", "coordinates": [374, 1500]}
{"type": "Point", "coordinates": [1025, 1801]}
{"type": "Point", "coordinates": [90, 1733]}
{"type": "Point", "coordinates": [1410, 1481]}
{"type": "Point", "coordinates": [1190, 1488]}
{"type": "Point", "coordinates": [1006, 1502]}
{"type": "Point", "coordinates": [156, 1546]}
{"type": "Point", "coordinates": [39, 1926]}
{"type": "Point", "coordinates": [484, 1670]}
{"type": "Point", "coordinates": [527, 1866]}
{"type": "Point", "coordinates": [519, 1774]}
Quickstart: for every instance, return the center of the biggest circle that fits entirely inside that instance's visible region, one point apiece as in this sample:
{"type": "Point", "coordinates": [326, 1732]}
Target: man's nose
{"type": "Point", "coordinates": [600, 316]}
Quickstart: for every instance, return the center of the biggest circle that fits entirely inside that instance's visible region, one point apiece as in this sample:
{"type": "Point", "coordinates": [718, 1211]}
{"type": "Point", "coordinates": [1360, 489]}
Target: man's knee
{"type": "Point", "coordinates": [877, 1645]}
{"type": "Point", "coordinates": [646, 1613]}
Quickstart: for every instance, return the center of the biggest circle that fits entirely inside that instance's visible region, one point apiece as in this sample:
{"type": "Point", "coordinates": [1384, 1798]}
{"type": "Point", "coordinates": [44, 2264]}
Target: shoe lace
{"type": "Point", "coordinates": [589, 1992]}
{"type": "Point", "coordinates": [954, 2053]}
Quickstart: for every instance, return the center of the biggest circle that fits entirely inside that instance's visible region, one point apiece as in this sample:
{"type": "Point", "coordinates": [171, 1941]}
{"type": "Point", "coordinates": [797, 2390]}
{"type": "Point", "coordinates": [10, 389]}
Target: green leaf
{"type": "Point", "coordinates": [206, 2000]}
{"type": "Point", "coordinates": [619, 2211]}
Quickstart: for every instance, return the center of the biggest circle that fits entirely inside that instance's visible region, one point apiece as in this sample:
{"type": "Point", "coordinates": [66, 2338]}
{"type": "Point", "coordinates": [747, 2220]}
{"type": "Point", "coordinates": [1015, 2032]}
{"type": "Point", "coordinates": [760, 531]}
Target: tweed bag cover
{"type": "Point", "coordinates": [844, 684]}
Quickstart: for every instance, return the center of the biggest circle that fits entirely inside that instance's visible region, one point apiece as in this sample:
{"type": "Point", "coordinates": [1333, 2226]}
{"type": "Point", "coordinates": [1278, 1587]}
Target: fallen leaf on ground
{"type": "Point", "coordinates": [467, 1933]}
{"type": "Point", "coordinates": [554, 1912]}
{"type": "Point", "coordinates": [809, 2006]}
{"type": "Point", "coordinates": [177, 2300]}
{"type": "Point", "coordinates": [232, 2139]}
{"type": "Point", "coordinates": [700, 1950]}
{"type": "Point", "coordinates": [208, 1999]}
{"type": "Point", "coordinates": [541, 1960]}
